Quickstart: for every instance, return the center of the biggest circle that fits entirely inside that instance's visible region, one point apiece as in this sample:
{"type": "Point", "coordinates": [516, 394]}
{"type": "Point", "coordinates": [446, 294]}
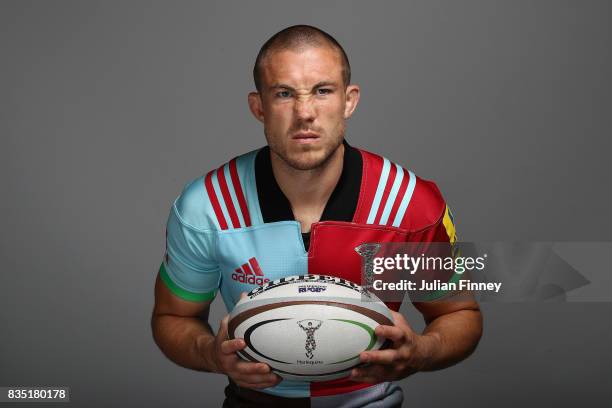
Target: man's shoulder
{"type": "Point", "coordinates": [385, 179]}
{"type": "Point", "coordinates": [216, 199]}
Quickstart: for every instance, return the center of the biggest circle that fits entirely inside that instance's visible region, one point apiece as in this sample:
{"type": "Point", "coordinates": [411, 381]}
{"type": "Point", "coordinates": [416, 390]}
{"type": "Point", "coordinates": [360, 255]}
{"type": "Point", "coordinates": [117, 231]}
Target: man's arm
{"type": "Point", "coordinates": [181, 330]}
{"type": "Point", "coordinates": [454, 327]}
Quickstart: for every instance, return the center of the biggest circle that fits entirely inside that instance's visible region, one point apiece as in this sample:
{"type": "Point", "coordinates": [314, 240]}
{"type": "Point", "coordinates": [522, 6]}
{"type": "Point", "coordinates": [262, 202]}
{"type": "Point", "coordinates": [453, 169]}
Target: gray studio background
{"type": "Point", "coordinates": [108, 108]}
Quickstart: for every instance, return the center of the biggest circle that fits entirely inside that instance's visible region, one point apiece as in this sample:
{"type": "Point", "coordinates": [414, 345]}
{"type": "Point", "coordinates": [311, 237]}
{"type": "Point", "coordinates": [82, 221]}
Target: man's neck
{"type": "Point", "coordinates": [308, 190]}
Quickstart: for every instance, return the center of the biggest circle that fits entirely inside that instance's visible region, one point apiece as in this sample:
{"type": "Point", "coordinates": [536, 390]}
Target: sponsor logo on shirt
{"type": "Point", "coordinates": [250, 273]}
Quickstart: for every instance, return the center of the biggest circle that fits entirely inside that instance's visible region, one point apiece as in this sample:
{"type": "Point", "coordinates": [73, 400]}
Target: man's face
{"type": "Point", "coordinates": [303, 104]}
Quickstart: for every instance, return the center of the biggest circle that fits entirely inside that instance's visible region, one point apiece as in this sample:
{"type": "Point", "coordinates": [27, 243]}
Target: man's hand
{"type": "Point", "coordinates": [409, 353]}
{"type": "Point", "coordinates": [245, 374]}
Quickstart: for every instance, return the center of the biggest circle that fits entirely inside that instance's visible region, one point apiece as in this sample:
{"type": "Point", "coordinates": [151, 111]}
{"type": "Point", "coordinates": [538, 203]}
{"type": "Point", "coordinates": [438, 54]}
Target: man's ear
{"type": "Point", "coordinates": [352, 99]}
{"type": "Point", "coordinates": [256, 106]}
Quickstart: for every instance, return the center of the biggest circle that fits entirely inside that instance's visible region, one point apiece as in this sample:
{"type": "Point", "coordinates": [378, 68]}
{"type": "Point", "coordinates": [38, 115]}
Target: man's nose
{"type": "Point", "coordinates": [304, 108]}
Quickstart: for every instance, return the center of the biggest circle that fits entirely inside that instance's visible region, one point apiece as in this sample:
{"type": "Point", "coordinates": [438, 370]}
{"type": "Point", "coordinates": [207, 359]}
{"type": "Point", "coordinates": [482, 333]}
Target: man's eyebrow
{"type": "Point", "coordinates": [317, 85]}
{"type": "Point", "coordinates": [274, 86]}
{"type": "Point", "coordinates": [324, 83]}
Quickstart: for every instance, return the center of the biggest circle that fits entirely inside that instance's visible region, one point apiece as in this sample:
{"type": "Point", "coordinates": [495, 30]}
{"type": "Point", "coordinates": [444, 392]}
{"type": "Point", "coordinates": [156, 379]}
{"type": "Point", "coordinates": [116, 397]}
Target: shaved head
{"type": "Point", "coordinates": [298, 38]}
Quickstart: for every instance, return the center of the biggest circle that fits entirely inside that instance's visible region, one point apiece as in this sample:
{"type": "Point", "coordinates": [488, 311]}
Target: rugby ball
{"type": "Point", "coordinates": [308, 327]}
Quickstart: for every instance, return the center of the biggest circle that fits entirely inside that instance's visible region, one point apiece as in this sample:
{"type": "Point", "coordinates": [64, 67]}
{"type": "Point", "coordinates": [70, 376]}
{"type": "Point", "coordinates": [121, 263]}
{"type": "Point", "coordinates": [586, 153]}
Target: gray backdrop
{"type": "Point", "coordinates": [109, 108]}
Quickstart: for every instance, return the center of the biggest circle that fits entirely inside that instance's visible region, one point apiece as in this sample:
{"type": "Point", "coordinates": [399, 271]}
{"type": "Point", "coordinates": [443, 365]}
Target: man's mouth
{"type": "Point", "coordinates": [305, 137]}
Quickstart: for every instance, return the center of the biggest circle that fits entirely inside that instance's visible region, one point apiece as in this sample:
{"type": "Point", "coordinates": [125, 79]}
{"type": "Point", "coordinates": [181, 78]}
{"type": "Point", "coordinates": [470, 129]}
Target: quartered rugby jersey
{"type": "Point", "coordinates": [233, 229]}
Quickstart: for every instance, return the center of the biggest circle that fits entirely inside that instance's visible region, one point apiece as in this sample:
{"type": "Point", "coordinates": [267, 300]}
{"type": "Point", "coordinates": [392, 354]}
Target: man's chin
{"type": "Point", "coordinates": [305, 163]}
{"type": "Point", "coordinates": [308, 160]}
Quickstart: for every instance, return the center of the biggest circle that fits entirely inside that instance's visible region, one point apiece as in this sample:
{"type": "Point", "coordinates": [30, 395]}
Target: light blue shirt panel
{"type": "Point", "coordinates": [194, 206]}
{"type": "Point", "coordinates": [191, 241]}
{"type": "Point", "coordinates": [191, 263]}
{"type": "Point", "coordinates": [278, 248]}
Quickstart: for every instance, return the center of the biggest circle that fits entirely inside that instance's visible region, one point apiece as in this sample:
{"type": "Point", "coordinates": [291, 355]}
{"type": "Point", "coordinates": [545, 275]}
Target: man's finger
{"type": "Point", "coordinates": [388, 356]}
{"type": "Point", "coordinates": [399, 319]}
{"type": "Point", "coordinates": [259, 381]}
{"type": "Point", "coordinates": [232, 346]}
{"type": "Point", "coordinates": [392, 333]}
{"type": "Point", "coordinates": [245, 367]}
{"type": "Point", "coordinates": [243, 295]}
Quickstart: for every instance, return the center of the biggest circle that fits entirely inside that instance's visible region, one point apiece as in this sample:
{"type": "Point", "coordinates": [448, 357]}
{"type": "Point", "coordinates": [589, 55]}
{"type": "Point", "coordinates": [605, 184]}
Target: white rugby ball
{"type": "Point", "coordinates": [308, 327]}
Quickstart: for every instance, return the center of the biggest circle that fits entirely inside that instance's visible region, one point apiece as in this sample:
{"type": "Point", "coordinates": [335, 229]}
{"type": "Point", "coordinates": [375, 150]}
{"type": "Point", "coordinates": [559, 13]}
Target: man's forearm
{"type": "Point", "coordinates": [187, 341]}
{"type": "Point", "coordinates": [451, 338]}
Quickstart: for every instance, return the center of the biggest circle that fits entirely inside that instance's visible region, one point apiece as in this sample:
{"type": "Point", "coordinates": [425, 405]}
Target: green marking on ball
{"type": "Point", "coordinates": [367, 329]}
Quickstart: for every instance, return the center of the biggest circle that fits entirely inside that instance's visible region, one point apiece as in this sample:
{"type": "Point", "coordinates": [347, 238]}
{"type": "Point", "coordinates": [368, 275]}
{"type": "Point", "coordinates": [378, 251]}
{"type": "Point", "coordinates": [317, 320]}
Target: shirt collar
{"type": "Point", "coordinates": [341, 204]}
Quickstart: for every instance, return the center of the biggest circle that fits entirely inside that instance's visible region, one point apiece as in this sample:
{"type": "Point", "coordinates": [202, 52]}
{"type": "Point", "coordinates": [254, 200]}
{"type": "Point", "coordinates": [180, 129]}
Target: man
{"type": "Point", "coordinates": [244, 220]}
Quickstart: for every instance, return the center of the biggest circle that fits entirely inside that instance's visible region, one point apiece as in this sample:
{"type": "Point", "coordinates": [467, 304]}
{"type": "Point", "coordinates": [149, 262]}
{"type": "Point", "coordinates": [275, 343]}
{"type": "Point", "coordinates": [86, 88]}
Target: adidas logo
{"type": "Point", "coordinates": [251, 273]}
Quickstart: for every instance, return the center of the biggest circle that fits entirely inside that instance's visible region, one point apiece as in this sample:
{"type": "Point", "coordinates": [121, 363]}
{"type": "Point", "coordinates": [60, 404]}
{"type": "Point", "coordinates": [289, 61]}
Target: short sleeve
{"type": "Point", "coordinates": [189, 269]}
{"type": "Point", "coordinates": [444, 231]}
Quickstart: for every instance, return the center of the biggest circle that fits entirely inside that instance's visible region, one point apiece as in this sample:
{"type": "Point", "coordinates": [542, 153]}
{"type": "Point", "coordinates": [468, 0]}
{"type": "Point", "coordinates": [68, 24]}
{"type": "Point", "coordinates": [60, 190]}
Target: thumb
{"type": "Point", "coordinates": [222, 333]}
{"type": "Point", "coordinates": [243, 295]}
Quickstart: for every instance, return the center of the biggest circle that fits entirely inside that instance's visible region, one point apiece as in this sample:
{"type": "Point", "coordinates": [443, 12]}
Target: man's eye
{"type": "Point", "coordinates": [283, 94]}
{"type": "Point", "coordinates": [324, 91]}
